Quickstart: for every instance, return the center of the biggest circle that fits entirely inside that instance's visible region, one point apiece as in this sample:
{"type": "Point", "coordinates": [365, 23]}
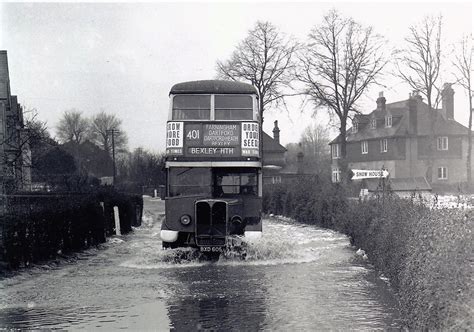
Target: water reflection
{"type": "Point", "coordinates": [218, 297]}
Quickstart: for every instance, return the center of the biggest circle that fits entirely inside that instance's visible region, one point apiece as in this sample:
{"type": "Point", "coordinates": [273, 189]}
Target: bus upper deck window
{"type": "Point", "coordinates": [192, 107]}
{"type": "Point", "coordinates": [233, 107]}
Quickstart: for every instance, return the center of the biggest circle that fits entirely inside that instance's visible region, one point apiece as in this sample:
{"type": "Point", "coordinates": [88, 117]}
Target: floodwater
{"type": "Point", "coordinates": [297, 277]}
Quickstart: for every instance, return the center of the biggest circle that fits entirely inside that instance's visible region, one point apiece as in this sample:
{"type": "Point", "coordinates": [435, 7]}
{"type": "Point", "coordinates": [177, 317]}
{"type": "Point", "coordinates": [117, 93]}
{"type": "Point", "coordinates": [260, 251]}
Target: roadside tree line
{"type": "Point", "coordinates": [81, 155]}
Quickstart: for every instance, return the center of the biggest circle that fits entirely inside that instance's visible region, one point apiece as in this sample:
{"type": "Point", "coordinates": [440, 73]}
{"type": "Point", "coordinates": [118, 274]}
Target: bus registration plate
{"type": "Point", "coordinates": [210, 249]}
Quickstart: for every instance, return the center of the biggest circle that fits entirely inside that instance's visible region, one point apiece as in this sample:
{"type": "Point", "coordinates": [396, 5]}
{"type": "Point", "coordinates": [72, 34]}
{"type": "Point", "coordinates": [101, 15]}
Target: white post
{"type": "Point", "coordinates": [155, 193]}
{"type": "Point", "coordinates": [117, 220]}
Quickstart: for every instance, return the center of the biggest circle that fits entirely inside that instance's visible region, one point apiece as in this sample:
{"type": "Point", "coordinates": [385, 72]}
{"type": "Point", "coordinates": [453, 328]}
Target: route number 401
{"type": "Point", "coordinates": [193, 134]}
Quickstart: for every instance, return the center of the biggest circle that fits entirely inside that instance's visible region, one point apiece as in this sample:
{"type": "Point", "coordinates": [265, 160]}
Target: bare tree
{"type": "Point", "coordinates": [463, 64]}
{"type": "Point", "coordinates": [419, 65]}
{"type": "Point", "coordinates": [315, 141]}
{"type": "Point", "coordinates": [72, 127]}
{"type": "Point", "coordinates": [265, 60]}
{"type": "Point", "coordinates": [340, 61]}
{"type": "Point", "coordinates": [103, 126]}
{"type": "Point", "coordinates": [24, 132]}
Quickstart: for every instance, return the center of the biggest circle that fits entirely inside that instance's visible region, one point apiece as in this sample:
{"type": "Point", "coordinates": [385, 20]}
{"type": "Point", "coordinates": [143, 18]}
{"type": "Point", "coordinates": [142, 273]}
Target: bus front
{"type": "Point", "coordinates": [213, 165]}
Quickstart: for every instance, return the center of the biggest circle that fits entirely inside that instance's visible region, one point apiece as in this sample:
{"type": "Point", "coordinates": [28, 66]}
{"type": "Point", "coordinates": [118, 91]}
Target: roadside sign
{"type": "Point", "coordinates": [368, 174]}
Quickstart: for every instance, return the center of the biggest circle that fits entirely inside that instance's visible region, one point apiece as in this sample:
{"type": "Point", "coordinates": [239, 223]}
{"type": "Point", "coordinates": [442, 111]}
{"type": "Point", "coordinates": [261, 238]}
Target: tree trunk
{"type": "Point", "coordinates": [431, 140]}
{"type": "Point", "coordinates": [260, 107]}
{"type": "Point", "coordinates": [469, 142]}
{"type": "Point", "coordinates": [343, 164]}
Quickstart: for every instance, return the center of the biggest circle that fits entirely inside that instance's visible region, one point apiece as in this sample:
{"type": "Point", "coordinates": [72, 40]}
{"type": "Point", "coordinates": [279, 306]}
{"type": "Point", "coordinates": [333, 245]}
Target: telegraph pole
{"type": "Point", "coordinates": [113, 131]}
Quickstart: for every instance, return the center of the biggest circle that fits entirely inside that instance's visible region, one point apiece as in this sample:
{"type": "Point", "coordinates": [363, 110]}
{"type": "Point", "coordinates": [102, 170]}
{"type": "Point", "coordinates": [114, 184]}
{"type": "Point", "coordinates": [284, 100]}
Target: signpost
{"type": "Point", "coordinates": [360, 174]}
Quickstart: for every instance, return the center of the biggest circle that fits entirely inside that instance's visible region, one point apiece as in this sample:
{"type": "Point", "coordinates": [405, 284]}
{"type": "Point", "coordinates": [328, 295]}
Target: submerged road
{"type": "Point", "coordinates": [297, 277]}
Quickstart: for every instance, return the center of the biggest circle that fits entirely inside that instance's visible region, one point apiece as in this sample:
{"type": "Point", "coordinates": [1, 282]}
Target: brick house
{"type": "Point", "coordinates": [396, 137]}
{"type": "Point", "coordinates": [15, 156]}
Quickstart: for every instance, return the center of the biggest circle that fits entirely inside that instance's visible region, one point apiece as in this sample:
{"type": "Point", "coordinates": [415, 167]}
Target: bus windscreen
{"type": "Point", "coordinates": [233, 107]}
{"type": "Point", "coordinates": [192, 107]}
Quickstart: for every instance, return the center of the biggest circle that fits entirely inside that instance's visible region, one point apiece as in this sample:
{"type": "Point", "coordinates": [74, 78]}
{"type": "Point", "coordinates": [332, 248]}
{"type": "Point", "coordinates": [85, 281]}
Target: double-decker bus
{"type": "Point", "coordinates": [213, 165]}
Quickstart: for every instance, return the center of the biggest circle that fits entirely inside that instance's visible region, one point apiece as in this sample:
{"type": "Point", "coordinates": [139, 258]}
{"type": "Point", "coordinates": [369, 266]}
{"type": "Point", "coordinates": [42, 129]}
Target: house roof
{"type": "Point", "coordinates": [270, 145]}
{"type": "Point", "coordinates": [400, 117]}
{"type": "Point", "coordinates": [400, 184]}
{"type": "Point", "coordinates": [212, 86]}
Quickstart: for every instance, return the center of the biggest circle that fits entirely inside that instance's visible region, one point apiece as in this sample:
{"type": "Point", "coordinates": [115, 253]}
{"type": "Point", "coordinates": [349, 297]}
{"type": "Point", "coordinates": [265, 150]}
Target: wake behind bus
{"type": "Point", "coordinates": [213, 165]}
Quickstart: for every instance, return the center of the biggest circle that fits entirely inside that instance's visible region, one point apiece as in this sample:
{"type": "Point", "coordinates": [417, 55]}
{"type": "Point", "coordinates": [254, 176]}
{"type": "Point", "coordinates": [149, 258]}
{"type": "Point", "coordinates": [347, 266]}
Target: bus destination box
{"type": "Point", "coordinates": [213, 140]}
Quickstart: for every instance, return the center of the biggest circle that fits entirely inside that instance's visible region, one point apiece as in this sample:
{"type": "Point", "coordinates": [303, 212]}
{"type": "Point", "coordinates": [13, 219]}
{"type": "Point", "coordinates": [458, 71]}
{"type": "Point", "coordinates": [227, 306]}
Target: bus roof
{"type": "Point", "coordinates": [212, 87]}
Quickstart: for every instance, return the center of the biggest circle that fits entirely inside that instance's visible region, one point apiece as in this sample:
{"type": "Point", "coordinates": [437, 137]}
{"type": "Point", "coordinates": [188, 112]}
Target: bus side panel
{"type": "Point", "coordinates": [253, 213]}
{"type": "Point", "coordinates": [175, 208]}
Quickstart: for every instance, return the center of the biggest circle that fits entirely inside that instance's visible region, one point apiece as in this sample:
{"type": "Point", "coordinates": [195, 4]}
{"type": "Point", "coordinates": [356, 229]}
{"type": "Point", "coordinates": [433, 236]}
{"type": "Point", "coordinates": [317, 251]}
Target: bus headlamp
{"type": "Point", "coordinates": [185, 219]}
{"type": "Point", "coordinates": [236, 220]}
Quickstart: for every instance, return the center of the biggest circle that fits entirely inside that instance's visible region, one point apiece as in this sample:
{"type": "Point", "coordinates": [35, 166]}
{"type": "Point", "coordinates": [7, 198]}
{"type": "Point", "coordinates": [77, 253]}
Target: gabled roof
{"type": "Point", "coordinates": [270, 145]}
{"type": "Point", "coordinates": [212, 86]}
{"type": "Point", "coordinates": [400, 116]}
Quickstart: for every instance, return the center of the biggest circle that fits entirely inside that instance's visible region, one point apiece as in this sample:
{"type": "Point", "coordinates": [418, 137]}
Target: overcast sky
{"type": "Point", "coordinates": [124, 57]}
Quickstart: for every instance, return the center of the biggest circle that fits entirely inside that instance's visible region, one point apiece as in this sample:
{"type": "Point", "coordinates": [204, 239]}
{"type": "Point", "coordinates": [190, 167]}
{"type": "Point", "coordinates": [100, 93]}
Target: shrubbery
{"type": "Point", "coordinates": [426, 253]}
{"type": "Point", "coordinates": [37, 227]}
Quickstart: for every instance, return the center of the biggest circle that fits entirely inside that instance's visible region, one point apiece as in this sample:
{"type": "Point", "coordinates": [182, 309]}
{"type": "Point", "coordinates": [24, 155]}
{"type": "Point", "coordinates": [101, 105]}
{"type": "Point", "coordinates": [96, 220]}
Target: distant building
{"type": "Point", "coordinates": [15, 158]}
{"type": "Point", "coordinates": [396, 137]}
{"type": "Point", "coordinates": [275, 167]}
{"type": "Point", "coordinates": [273, 157]}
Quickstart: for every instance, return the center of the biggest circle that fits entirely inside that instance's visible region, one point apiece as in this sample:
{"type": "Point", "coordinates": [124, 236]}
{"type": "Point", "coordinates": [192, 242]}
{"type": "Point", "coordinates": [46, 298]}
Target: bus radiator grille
{"type": "Point", "coordinates": [211, 225]}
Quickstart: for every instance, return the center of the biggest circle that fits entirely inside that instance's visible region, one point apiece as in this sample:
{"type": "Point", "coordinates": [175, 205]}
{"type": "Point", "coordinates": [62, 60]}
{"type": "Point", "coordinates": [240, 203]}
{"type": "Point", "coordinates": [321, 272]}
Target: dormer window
{"type": "Point", "coordinates": [373, 123]}
{"type": "Point", "coordinates": [388, 121]}
{"type": "Point", "coordinates": [355, 127]}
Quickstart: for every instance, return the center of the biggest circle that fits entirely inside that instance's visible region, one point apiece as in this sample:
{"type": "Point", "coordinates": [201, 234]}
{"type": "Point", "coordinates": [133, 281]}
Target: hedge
{"type": "Point", "coordinates": [426, 253]}
{"type": "Point", "coordinates": [38, 227]}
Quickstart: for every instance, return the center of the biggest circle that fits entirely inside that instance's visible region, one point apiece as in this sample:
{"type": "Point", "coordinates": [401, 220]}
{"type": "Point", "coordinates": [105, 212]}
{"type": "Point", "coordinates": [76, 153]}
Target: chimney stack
{"type": "Point", "coordinates": [381, 102]}
{"type": "Point", "coordinates": [448, 101]}
{"type": "Point", "coordinates": [413, 113]}
{"type": "Point", "coordinates": [276, 132]}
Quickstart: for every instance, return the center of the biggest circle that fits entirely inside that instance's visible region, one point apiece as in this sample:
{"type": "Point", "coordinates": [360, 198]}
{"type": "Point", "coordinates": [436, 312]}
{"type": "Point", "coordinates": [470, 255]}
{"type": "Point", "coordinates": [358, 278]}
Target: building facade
{"type": "Point", "coordinates": [15, 157]}
{"type": "Point", "coordinates": [407, 140]}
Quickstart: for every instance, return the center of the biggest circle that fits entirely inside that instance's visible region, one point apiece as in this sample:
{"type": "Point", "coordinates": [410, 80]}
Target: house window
{"type": "Point", "coordinates": [364, 147]}
{"type": "Point", "coordinates": [373, 123]}
{"type": "Point", "coordinates": [442, 173]}
{"type": "Point", "coordinates": [276, 179]}
{"type": "Point", "coordinates": [336, 174]}
{"type": "Point", "coordinates": [383, 145]}
{"type": "Point", "coordinates": [336, 151]}
{"type": "Point", "coordinates": [442, 143]}
{"type": "Point", "coordinates": [388, 121]}
{"type": "Point", "coordinates": [355, 127]}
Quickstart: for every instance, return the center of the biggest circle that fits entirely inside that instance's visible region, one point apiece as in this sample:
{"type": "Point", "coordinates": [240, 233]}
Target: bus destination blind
{"type": "Point", "coordinates": [213, 140]}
